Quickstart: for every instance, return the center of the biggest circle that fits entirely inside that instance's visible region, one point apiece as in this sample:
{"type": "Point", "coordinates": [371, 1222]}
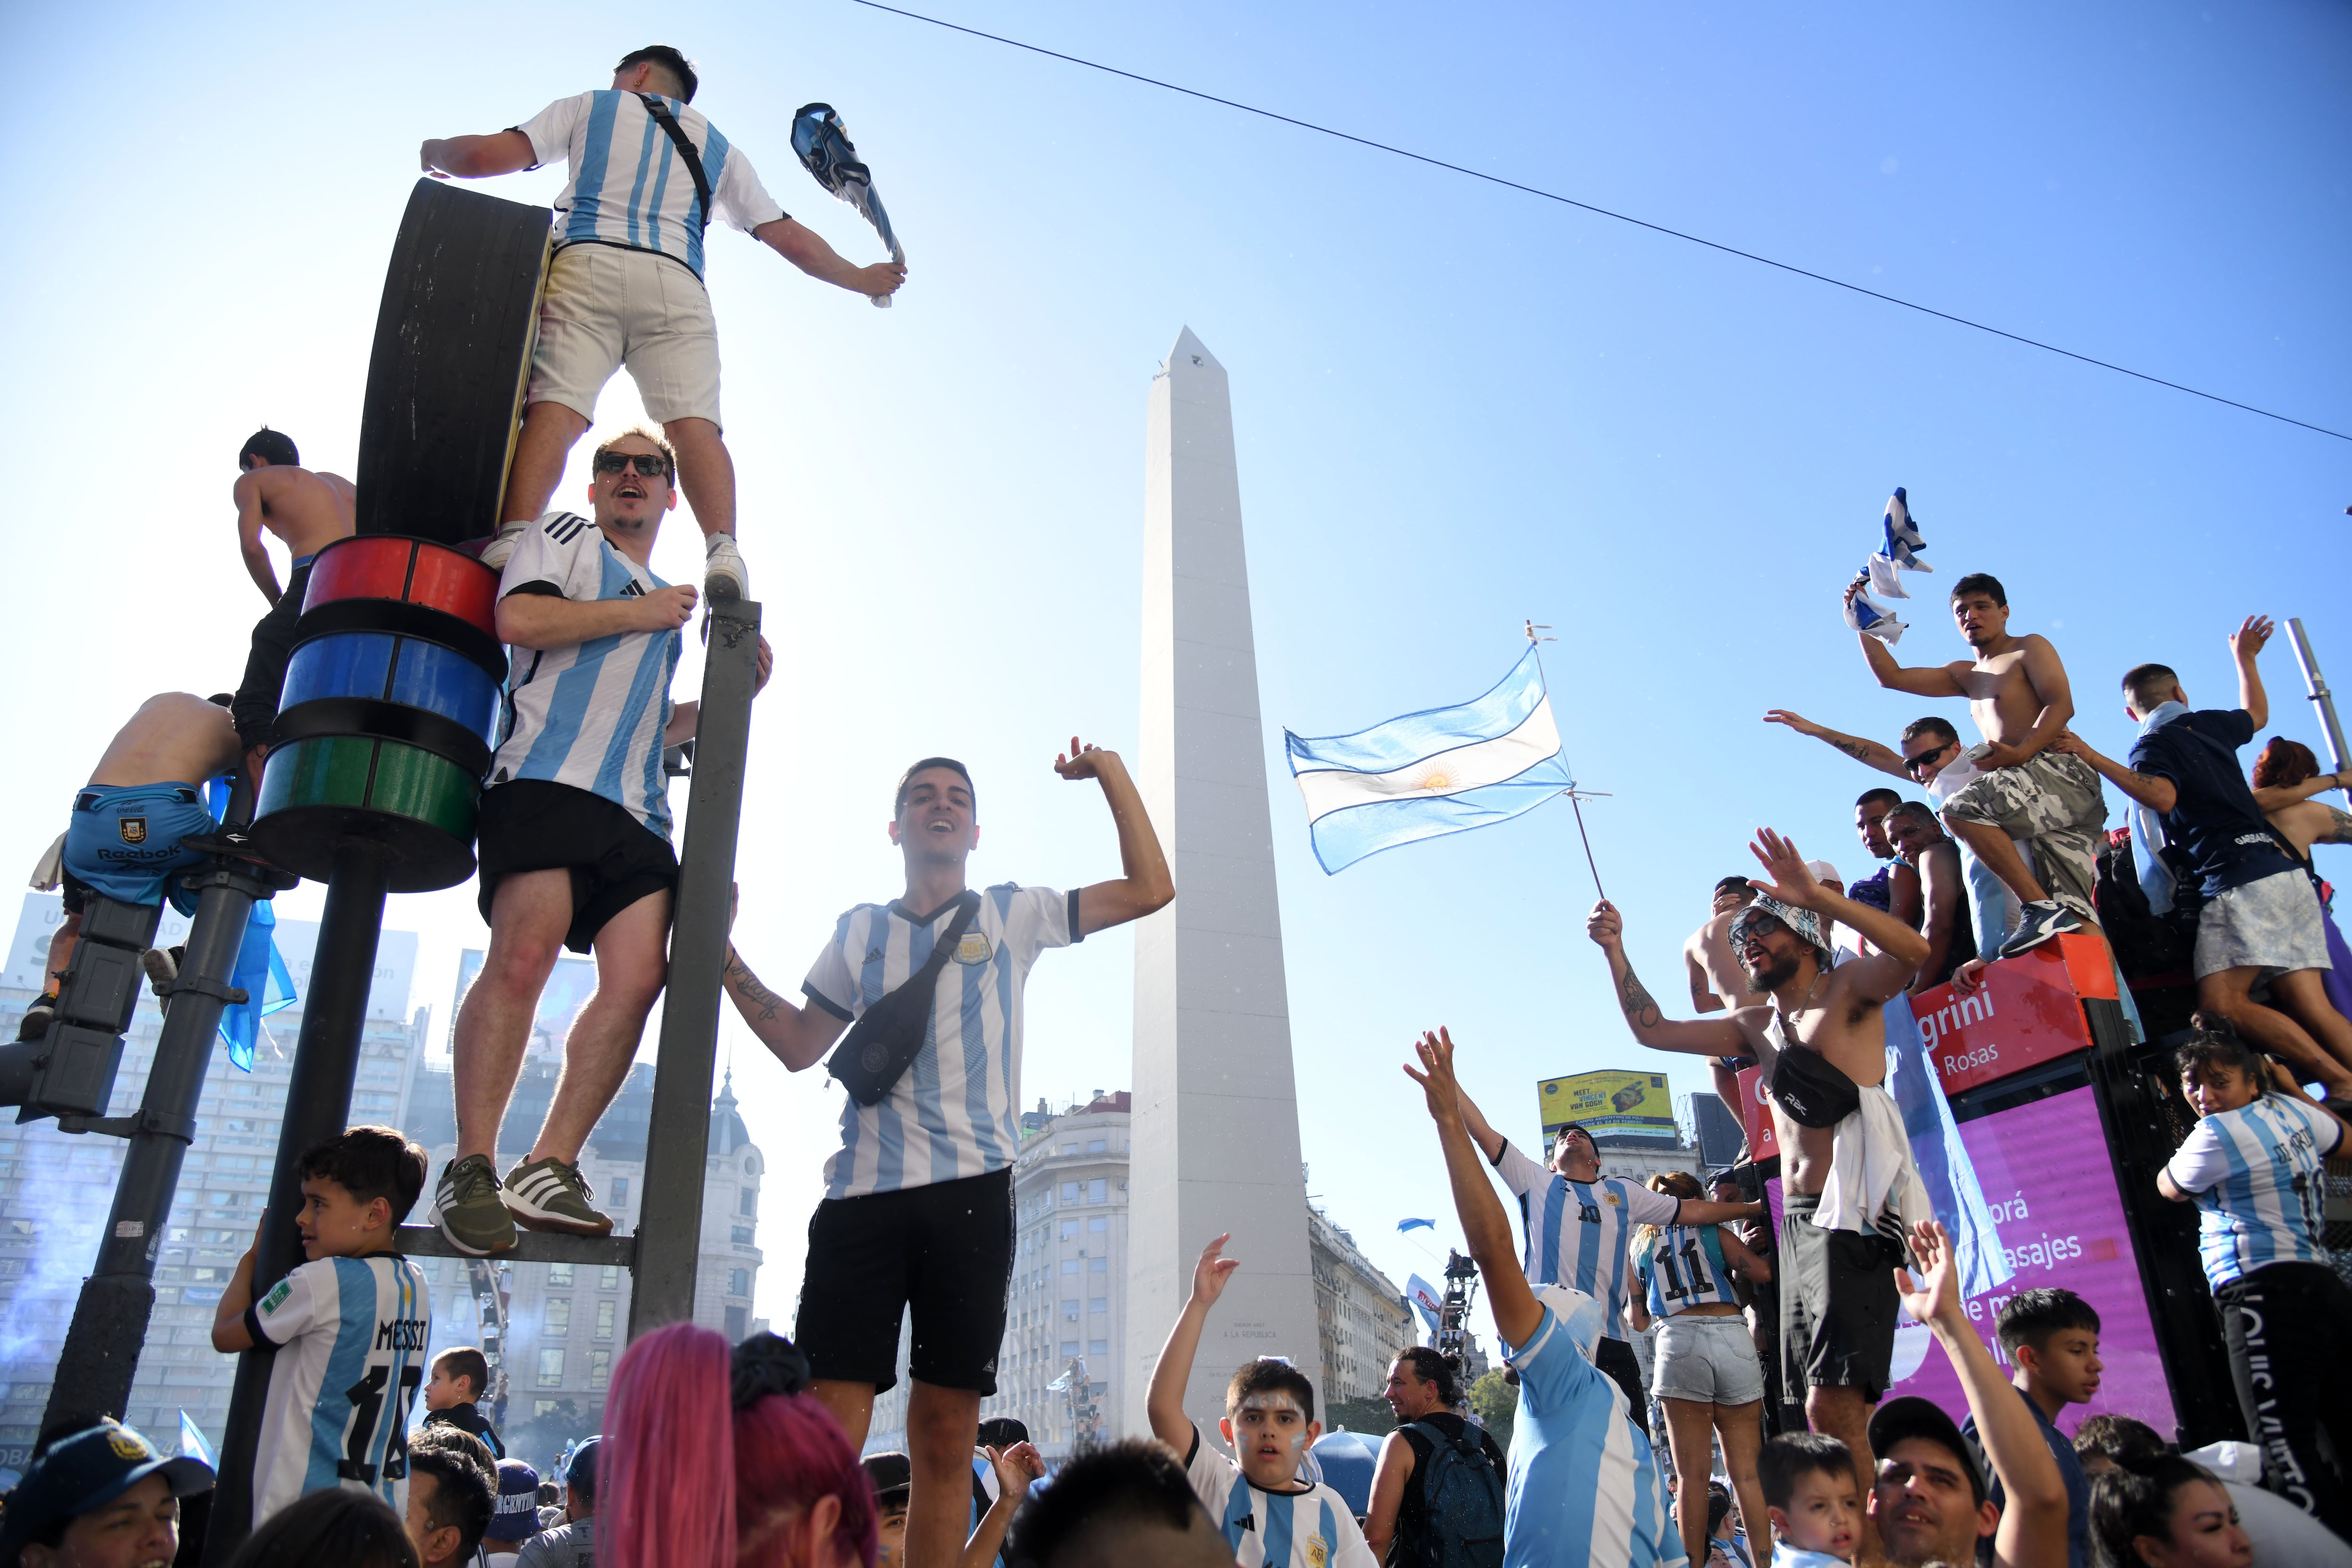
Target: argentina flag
{"type": "Point", "coordinates": [1444, 770]}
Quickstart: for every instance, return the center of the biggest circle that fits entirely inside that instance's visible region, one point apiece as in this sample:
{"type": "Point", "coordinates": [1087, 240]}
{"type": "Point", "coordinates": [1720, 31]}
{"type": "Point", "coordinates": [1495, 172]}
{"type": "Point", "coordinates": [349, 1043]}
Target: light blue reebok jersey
{"type": "Point", "coordinates": [589, 714]}
{"type": "Point", "coordinates": [2254, 1174]}
{"type": "Point", "coordinates": [1577, 1232]}
{"type": "Point", "coordinates": [351, 1335]}
{"type": "Point", "coordinates": [1585, 1491]}
{"type": "Point", "coordinates": [1682, 1266]}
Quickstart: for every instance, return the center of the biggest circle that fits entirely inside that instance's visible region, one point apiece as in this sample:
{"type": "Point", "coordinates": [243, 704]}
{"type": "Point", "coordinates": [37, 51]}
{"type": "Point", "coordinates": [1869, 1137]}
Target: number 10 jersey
{"type": "Point", "coordinates": [351, 1335]}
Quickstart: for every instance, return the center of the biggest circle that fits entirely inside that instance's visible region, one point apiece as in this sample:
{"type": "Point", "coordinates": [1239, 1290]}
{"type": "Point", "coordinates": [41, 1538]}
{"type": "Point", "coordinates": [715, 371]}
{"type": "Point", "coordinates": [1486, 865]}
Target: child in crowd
{"type": "Point", "coordinates": [1270, 1517]}
{"type": "Point", "coordinates": [894, 1478]}
{"type": "Point", "coordinates": [1809, 1485]}
{"type": "Point", "coordinates": [461, 1375]}
{"type": "Point", "coordinates": [2052, 1337]}
{"type": "Point", "coordinates": [349, 1326]}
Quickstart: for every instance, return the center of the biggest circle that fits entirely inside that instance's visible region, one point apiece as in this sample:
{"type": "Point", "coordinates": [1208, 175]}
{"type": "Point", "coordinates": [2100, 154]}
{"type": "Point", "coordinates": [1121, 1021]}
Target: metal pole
{"type": "Point", "coordinates": [2317, 683]}
{"type": "Point", "coordinates": [110, 1321]}
{"type": "Point", "coordinates": [317, 1102]}
{"type": "Point", "coordinates": [669, 1222]}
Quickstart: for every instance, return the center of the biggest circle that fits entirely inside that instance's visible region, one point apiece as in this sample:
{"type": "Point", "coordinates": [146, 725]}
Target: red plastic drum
{"type": "Point", "coordinates": [413, 571]}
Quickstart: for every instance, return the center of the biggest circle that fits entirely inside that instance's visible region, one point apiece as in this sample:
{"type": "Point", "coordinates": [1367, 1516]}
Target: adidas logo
{"type": "Point", "coordinates": [635, 590]}
{"type": "Point", "coordinates": [565, 526]}
{"type": "Point", "coordinates": [873, 955]}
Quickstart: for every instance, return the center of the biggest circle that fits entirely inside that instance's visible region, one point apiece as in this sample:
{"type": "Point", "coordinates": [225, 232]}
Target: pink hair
{"type": "Point", "coordinates": [684, 1471]}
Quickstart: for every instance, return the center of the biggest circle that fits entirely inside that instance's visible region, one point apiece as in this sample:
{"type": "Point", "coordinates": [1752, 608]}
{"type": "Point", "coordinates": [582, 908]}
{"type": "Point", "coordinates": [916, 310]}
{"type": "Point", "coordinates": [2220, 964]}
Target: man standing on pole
{"type": "Point", "coordinates": [625, 287]}
{"type": "Point", "coordinates": [918, 1212]}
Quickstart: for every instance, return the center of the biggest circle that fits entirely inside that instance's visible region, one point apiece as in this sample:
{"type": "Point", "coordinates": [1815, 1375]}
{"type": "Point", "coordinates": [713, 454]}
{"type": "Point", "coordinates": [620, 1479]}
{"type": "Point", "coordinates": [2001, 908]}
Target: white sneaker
{"type": "Point", "coordinates": [722, 569]}
{"type": "Point", "coordinates": [502, 546]}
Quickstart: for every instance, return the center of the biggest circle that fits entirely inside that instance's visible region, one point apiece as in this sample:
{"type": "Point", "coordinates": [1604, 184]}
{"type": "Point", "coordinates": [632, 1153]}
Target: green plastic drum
{"type": "Point", "coordinates": [320, 794]}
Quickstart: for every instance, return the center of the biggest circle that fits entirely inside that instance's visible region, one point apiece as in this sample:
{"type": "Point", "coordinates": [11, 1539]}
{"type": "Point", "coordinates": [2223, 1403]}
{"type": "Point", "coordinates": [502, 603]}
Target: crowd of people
{"type": "Point", "coordinates": [1773, 1323]}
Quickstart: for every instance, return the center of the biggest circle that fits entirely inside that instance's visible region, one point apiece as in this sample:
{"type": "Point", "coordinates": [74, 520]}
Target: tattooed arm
{"type": "Point", "coordinates": [1724, 1036]}
{"type": "Point", "coordinates": [2154, 791]}
{"type": "Point", "coordinates": [1869, 753]}
{"type": "Point", "coordinates": [798, 1035]}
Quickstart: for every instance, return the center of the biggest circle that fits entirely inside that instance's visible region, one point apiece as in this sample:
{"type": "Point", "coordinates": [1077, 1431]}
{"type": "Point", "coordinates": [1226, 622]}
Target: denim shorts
{"type": "Point", "coordinates": [1708, 1359]}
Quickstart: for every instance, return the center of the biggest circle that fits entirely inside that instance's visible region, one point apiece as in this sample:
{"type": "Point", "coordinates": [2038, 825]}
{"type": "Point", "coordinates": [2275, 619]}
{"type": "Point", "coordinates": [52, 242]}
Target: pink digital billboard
{"type": "Point", "coordinates": [2045, 1171]}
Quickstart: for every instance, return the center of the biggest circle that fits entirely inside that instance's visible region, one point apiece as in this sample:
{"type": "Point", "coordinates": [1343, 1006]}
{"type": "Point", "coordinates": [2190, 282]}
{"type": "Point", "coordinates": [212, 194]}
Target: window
{"type": "Point", "coordinates": [1069, 1229]}
{"type": "Point", "coordinates": [540, 1408]}
{"type": "Point", "coordinates": [600, 1368]}
{"type": "Point", "coordinates": [609, 1278]}
{"type": "Point", "coordinates": [1098, 1347]}
{"type": "Point", "coordinates": [1099, 1191]}
{"type": "Point", "coordinates": [604, 1314]}
{"type": "Point", "coordinates": [1070, 1265]}
{"type": "Point", "coordinates": [1069, 1313]}
{"type": "Point", "coordinates": [1097, 1264]}
{"type": "Point", "coordinates": [551, 1368]}
{"type": "Point", "coordinates": [738, 1321]}
{"type": "Point", "coordinates": [558, 1275]}
{"type": "Point", "coordinates": [739, 1282]}
{"type": "Point", "coordinates": [1072, 1192]}
{"type": "Point", "coordinates": [559, 1315]}
{"type": "Point", "coordinates": [1069, 1148]}
{"type": "Point", "coordinates": [1098, 1225]}
{"type": "Point", "coordinates": [1096, 1145]}
{"type": "Point", "coordinates": [742, 1236]}
{"type": "Point", "coordinates": [750, 1205]}
{"type": "Point", "coordinates": [620, 1192]}
{"type": "Point", "coordinates": [1069, 1347]}
{"type": "Point", "coordinates": [1098, 1304]}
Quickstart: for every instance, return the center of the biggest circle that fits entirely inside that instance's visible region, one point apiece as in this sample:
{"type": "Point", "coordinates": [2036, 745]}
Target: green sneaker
{"type": "Point", "coordinates": [550, 1194]}
{"type": "Point", "coordinates": [467, 1209]}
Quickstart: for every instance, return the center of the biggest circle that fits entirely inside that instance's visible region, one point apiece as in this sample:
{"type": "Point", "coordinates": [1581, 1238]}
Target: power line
{"type": "Point", "coordinates": [1602, 212]}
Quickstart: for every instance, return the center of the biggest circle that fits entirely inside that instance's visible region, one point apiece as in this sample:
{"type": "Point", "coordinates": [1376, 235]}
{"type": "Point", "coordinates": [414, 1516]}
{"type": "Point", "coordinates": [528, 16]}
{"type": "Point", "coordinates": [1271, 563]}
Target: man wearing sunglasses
{"type": "Point", "coordinates": [574, 839]}
{"type": "Point", "coordinates": [625, 287]}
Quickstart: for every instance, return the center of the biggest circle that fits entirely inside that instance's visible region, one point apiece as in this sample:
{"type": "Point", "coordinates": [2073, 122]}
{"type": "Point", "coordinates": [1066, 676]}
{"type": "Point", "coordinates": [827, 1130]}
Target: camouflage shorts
{"type": "Point", "coordinates": [2053, 805]}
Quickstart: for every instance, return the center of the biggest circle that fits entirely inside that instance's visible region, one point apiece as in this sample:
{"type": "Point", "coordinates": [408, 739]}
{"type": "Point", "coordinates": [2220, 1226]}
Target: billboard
{"type": "Point", "coordinates": [1635, 1104]}
{"type": "Point", "coordinates": [560, 1000]}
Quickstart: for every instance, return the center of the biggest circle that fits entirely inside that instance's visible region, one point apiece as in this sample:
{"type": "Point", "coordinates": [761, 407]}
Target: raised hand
{"type": "Point", "coordinates": [1017, 1466]}
{"type": "Point", "coordinates": [1083, 762]}
{"type": "Point", "coordinates": [1438, 1086]}
{"type": "Point", "coordinates": [1605, 926]}
{"type": "Point", "coordinates": [1210, 1274]}
{"type": "Point", "coordinates": [1939, 1295]}
{"type": "Point", "coordinates": [1791, 882]}
{"type": "Point", "coordinates": [2248, 639]}
{"type": "Point", "coordinates": [1797, 721]}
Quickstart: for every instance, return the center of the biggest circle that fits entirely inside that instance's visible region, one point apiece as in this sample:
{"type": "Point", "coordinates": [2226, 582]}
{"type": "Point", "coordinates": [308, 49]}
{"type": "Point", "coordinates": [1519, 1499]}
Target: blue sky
{"type": "Point", "coordinates": [1456, 408]}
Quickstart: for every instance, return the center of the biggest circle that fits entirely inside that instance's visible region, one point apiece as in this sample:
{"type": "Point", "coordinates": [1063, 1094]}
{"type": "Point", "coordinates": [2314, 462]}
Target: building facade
{"type": "Point", "coordinates": [1360, 1315]}
{"type": "Point", "coordinates": [56, 1188]}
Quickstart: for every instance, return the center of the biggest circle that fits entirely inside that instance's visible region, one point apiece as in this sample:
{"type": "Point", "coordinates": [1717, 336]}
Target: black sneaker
{"type": "Point", "coordinates": [34, 1025]}
{"type": "Point", "coordinates": [2037, 922]}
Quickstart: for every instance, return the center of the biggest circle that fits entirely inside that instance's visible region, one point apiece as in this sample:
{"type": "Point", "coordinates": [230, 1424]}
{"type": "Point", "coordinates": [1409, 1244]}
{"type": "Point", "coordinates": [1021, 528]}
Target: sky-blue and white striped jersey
{"type": "Point", "coordinates": [629, 188]}
{"type": "Point", "coordinates": [955, 1111]}
{"type": "Point", "coordinates": [2255, 1175]}
{"type": "Point", "coordinates": [351, 1335]}
{"type": "Point", "coordinates": [1584, 1487]}
{"type": "Point", "coordinates": [589, 714]}
{"type": "Point", "coordinates": [1682, 1266]}
{"type": "Point", "coordinates": [1311, 1529]}
{"type": "Point", "coordinates": [1577, 1231]}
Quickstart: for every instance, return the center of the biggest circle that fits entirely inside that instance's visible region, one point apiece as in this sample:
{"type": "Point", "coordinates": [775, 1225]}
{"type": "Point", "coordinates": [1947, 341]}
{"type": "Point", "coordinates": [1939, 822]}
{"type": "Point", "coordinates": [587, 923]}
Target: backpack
{"type": "Point", "coordinates": [2145, 945]}
{"type": "Point", "coordinates": [1461, 1501]}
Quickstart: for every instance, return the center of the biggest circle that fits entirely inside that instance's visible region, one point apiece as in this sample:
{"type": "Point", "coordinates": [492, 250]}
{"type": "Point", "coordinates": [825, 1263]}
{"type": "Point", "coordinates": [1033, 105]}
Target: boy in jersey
{"type": "Point", "coordinates": [461, 1375]}
{"type": "Point", "coordinates": [349, 1327]}
{"type": "Point", "coordinates": [574, 840]}
{"type": "Point", "coordinates": [917, 1210]}
{"type": "Point", "coordinates": [1585, 1491]}
{"type": "Point", "coordinates": [626, 286]}
{"type": "Point", "coordinates": [1270, 1517]}
{"type": "Point", "coordinates": [1579, 1224]}
{"type": "Point", "coordinates": [1819, 1034]}
{"type": "Point", "coordinates": [307, 511]}
{"type": "Point", "coordinates": [1809, 1485]}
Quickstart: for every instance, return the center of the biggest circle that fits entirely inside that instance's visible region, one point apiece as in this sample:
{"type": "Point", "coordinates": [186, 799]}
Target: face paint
{"type": "Point", "coordinates": [1272, 1403]}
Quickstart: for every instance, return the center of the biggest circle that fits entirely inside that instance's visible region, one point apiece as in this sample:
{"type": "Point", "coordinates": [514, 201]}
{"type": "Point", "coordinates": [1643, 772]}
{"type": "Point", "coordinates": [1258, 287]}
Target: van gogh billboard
{"type": "Point", "coordinates": [1635, 1104]}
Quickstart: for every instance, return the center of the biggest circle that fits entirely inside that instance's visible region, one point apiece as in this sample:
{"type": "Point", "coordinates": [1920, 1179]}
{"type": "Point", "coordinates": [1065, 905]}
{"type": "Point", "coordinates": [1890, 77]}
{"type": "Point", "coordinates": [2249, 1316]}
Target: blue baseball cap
{"type": "Point", "coordinates": [516, 1515]}
{"type": "Point", "coordinates": [83, 1471]}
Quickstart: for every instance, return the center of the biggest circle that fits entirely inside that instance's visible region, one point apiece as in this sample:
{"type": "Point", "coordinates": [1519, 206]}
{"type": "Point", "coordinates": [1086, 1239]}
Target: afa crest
{"type": "Point", "coordinates": [1318, 1552]}
{"type": "Point", "coordinates": [974, 948]}
{"type": "Point", "coordinates": [126, 1446]}
{"type": "Point", "coordinates": [132, 828]}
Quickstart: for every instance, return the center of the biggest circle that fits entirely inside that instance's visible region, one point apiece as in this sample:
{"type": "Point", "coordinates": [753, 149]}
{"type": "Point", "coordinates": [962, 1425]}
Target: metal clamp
{"type": "Point", "coordinates": [196, 984]}
{"type": "Point", "coordinates": [184, 1128]}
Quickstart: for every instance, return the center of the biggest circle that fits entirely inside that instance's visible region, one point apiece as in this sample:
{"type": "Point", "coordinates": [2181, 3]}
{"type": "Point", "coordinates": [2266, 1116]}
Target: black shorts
{"type": "Point", "coordinates": [1616, 1357]}
{"type": "Point", "coordinates": [531, 825]}
{"type": "Point", "coordinates": [944, 1250]}
{"type": "Point", "coordinates": [1838, 1305]}
{"type": "Point", "coordinates": [254, 710]}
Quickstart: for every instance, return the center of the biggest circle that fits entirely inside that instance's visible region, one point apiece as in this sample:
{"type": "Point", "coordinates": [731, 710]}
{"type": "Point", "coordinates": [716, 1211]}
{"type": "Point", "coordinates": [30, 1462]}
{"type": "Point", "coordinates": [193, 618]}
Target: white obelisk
{"type": "Point", "coordinates": [1215, 1125]}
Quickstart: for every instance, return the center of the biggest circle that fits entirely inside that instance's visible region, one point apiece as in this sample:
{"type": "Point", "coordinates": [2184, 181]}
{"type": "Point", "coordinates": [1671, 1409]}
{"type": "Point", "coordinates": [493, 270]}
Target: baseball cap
{"type": "Point", "coordinates": [579, 1470]}
{"type": "Point", "coordinates": [86, 1470]}
{"type": "Point", "coordinates": [516, 1517]}
{"type": "Point", "coordinates": [1912, 1416]}
{"type": "Point", "coordinates": [891, 1474]}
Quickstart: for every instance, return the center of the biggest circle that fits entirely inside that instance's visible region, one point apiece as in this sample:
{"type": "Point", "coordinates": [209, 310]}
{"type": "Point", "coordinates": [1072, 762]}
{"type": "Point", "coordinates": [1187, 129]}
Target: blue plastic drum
{"type": "Point", "coordinates": [383, 684]}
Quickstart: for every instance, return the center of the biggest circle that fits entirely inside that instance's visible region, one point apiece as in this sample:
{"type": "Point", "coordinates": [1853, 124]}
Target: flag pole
{"type": "Point", "coordinates": [1576, 797]}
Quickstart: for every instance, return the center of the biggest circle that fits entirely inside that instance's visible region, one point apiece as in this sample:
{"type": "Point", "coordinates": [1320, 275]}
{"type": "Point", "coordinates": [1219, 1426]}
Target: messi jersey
{"type": "Point", "coordinates": [1682, 1266]}
{"type": "Point", "coordinates": [1577, 1232]}
{"type": "Point", "coordinates": [351, 1335]}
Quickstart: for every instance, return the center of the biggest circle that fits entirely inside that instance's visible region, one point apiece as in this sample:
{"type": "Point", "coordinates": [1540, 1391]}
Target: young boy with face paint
{"type": "Point", "coordinates": [1270, 1517]}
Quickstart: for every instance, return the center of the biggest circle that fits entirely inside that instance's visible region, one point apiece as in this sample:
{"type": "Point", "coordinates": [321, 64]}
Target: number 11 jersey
{"type": "Point", "coordinates": [351, 1335]}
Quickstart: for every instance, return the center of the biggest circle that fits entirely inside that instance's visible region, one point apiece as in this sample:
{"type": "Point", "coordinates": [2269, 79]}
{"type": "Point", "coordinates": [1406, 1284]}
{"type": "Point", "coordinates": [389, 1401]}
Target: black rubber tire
{"type": "Point", "coordinates": [452, 355]}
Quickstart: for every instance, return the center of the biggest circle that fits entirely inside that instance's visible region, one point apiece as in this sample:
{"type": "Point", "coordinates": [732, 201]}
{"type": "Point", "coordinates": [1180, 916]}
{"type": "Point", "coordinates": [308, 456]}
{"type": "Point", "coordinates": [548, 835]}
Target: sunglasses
{"type": "Point", "coordinates": [1913, 765]}
{"type": "Point", "coordinates": [649, 465]}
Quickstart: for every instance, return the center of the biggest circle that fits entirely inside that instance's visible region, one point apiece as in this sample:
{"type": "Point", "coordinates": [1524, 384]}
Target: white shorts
{"type": "Point", "coordinates": [2273, 924]}
{"type": "Point", "coordinates": [1708, 1359]}
{"type": "Point", "coordinates": [606, 308]}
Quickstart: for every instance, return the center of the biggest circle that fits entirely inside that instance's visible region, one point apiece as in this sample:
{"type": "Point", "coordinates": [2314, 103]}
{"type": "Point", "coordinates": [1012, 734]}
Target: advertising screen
{"type": "Point", "coordinates": [1621, 1103]}
{"type": "Point", "coordinates": [566, 992]}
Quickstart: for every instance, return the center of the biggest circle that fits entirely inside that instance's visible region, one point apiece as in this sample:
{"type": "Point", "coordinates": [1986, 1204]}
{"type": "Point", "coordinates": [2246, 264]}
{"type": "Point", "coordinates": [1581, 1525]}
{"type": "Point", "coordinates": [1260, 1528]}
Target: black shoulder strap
{"type": "Point", "coordinates": [668, 121]}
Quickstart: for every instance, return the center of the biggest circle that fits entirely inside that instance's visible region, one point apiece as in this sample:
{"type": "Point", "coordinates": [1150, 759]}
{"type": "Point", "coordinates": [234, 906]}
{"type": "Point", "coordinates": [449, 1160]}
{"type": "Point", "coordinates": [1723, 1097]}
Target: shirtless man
{"type": "Point", "coordinates": [1717, 984]}
{"type": "Point", "coordinates": [124, 841]}
{"type": "Point", "coordinates": [1894, 887]}
{"type": "Point", "coordinates": [1918, 837]}
{"type": "Point", "coordinates": [2017, 694]}
{"type": "Point", "coordinates": [307, 511]}
{"type": "Point", "coordinates": [1820, 1039]}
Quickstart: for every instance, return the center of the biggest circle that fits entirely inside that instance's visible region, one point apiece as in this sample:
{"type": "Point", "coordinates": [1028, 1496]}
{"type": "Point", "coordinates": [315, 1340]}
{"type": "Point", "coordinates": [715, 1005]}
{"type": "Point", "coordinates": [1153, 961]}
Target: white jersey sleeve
{"type": "Point", "coordinates": [831, 984]}
{"type": "Point", "coordinates": [1038, 918]}
{"type": "Point", "coordinates": [555, 550]}
{"type": "Point", "coordinates": [1644, 1206]}
{"type": "Point", "coordinates": [1519, 1173]}
{"type": "Point", "coordinates": [2202, 1161]}
{"type": "Point", "coordinates": [549, 131]}
{"type": "Point", "coordinates": [741, 199]}
{"type": "Point", "coordinates": [293, 1303]}
{"type": "Point", "coordinates": [1213, 1476]}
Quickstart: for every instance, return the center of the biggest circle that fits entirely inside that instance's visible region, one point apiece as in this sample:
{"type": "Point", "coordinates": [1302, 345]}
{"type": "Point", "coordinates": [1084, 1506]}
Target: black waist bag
{"type": "Point", "coordinates": [887, 1036]}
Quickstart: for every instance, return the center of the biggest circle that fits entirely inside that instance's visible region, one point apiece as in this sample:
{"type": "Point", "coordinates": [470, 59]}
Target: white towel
{"type": "Point", "coordinates": [50, 869]}
{"type": "Point", "coordinates": [1872, 1181]}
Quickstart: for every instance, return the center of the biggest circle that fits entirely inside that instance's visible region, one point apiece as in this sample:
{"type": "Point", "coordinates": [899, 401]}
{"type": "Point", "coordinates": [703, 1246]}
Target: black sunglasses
{"type": "Point", "coordinates": [1912, 764]}
{"type": "Point", "coordinates": [650, 465]}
